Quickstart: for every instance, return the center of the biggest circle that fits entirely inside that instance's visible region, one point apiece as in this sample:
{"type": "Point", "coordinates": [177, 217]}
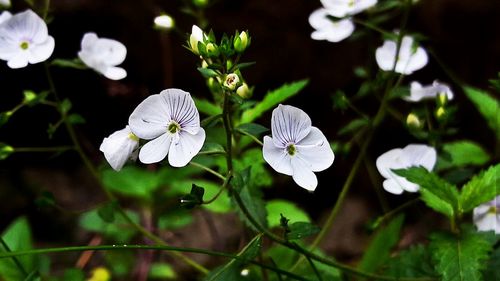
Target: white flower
{"type": "Point", "coordinates": [24, 39]}
{"type": "Point", "coordinates": [5, 15]}
{"type": "Point", "coordinates": [342, 8]}
{"type": "Point", "coordinates": [418, 92]}
{"type": "Point", "coordinates": [172, 123]}
{"type": "Point", "coordinates": [5, 3]}
{"type": "Point", "coordinates": [486, 216]}
{"type": "Point", "coordinates": [410, 59]}
{"type": "Point", "coordinates": [197, 35]}
{"type": "Point", "coordinates": [327, 29]}
{"type": "Point", "coordinates": [296, 148]}
{"type": "Point", "coordinates": [119, 147]}
{"type": "Point", "coordinates": [164, 22]}
{"type": "Point", "coordinates": [413, 155]}
{"type": "Point", "coordinates": [103, 55]}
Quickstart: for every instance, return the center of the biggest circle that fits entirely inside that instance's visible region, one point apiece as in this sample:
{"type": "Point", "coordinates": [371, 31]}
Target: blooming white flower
{"type": "Point", "coordinates": [172, 123]}
{"type": "Point", "coordinates": [119, 147]}
{"type": "Point", "coordinates": [296, 148]}
{"type": "Point", "coordinates": [327, 29]}
{"type": "Point", "coordinates": [103, 55]}
{"type": "Point", "coordinates": [419, 92]}
{"type": "Point", "coordinates": [413, 155]}
{"type": "Point", "coordinates": [408, 60]}
{"type": "Point", "coordinates": [24, 39]}
{"type": "Point", "coordinates": [5, 3]}
{"type": "Point", "coordinates": [486, 216]}
{"type": "Point", "coordinates": [197, 35]}
{"type": "Point", "coordinates": [164, 22]}
{"type": "Point", "coordinates": [342, 8]}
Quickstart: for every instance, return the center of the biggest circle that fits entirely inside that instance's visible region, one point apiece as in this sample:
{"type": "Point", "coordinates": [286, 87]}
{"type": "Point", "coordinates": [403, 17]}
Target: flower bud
{"type": "Point", "coordinates": [240, 42]}
{"type": "Point", "coordinates": [413, 121]}
{"type": "Point", "coordinates": [232, 80]}
{"type": "Point", "coordinates": [440, 112]}
{"type": "Point", "coordinates": [243, 91]}
{"type": "Point", "coordinates": [200, 3]}
{"type": "Point", "coordinates": [164, 22]}
{"type": "Point", "coordinates": [196, 36]}
{"type": "Point", "coordinates": [442, 99]}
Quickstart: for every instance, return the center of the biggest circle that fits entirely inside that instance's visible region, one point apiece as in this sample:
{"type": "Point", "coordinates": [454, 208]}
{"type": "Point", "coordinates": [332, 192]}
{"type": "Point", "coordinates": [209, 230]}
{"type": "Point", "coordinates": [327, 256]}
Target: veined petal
{"type": "Point", "coordinates": [27, 26]}
{"type": "Point", "coordinates": [42, 52]}
{"type": "Point", "coordinates": [182, 109]}
{"type": "Point", "coordinates": [302, 174]}
{"type": "Point", "coordinates": [421, 155]}
{"type": "Point", "coordinates": [115, 73]}
{"type": "Point", "coordinates": [315, 150]}
{"type": "Point", "coordinates": [488, 222]}
{"type": "Point", "coordinates": [156, 149]}
{"type": "Point", "coordinates": [188, 146]}
{"type": "Point", "coordinates": [289, 124]}
{"type": "Point", "coordinates": [276, 157]}
{"type": "Point", "coordinates": [150, 118]}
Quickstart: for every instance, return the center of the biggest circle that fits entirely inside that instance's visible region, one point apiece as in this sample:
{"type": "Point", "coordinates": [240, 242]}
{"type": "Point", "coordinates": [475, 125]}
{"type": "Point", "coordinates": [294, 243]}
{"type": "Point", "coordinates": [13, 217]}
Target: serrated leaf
{"type": "Point", "coordinates": [301, 229]}
{"type": "Point", "coordinates": [380, 247]}
{"type": "Point", "coordinates": [212, 148]}
{"type": "Point", "coordinates": [252, 129]}
{"type": "Point", "coordinates": [482, 188]}
{"type": "Point", "coordinates": [17, 236]}
{"type": "Point", "coordinates": [436, 193]}
{"type": "Point", "coordinates": [413, 262]}
{"type": "Point", "coordinates": [5, 151]}
{"type": "Point", "coordinates": [273, 98]}
{"type": "Point", "coordinates": [462, 153]}
{"type": "Point", "coordinates": [353, 125]}
{"type": "Point", "coordinates": [207, 107]}
{"type": "Point", "coordinates": [459, 258]}
{"type": "Point", "coordinates": [288, 209]}
{"type": "Point", "coordinates": [487, 106]}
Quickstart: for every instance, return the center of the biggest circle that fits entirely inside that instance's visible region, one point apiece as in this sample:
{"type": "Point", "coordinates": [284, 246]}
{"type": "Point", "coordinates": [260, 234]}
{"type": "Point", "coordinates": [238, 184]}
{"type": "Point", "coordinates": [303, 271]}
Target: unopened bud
{"type": "Point", "coordinates": [232, 81]}
{"type": "Point", "coordinates": [164, 22]}
{"type": "Point", "coordinates": [440, 112]}
{"type": "Point", "coordinates": [413, 121]}
{"type": "Point", "coordinates": [211, 48]}
{"type": "Point", "coordinates": [204, 64]}
{"type": "Point", "coordinates": [200, 3]}
{"type": "Point", "coordinates": [241, 42]}
{"type": "Point", "coordinates": [196, 36]}
{"type": "Point", "coordinates": [442, 99]}
{"type": "Point", "coordinates": [243, 91]}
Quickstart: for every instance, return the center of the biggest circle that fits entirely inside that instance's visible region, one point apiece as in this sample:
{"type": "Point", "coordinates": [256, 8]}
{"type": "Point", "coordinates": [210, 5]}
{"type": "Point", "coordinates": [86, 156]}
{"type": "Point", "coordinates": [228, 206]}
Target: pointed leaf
{"type": "Point", "coordinates": [487, 106]}
{"type": "Point", "coordinates": [482, 188]}
{"type": "Point", "coordinates": [17, 236]}
{"type": "Point", "coordinates": [212, 148]}
{"type": "Point", "coordinates": [207, 107]}
{"type": "Point", "coordinates": [462, 153]}
{"type": "Point", "coordinates": [288, 209]}
{"type": "Point", "coordinates": [252, 129]}
{"type": "Point", "coordinates": [5, 150]}
{"type": "Point", "coordinates": [301, 229]}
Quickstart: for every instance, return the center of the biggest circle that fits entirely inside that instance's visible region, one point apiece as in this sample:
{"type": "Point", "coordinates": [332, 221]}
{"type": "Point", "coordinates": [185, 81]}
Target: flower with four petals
{"type": "Point", "coordinates": [409, 59]}
{"type": "Point", "coordinates": [327, 29]}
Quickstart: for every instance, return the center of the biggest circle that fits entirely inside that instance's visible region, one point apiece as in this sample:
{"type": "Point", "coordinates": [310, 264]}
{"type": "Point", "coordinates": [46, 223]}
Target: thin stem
{"type": "Point", "coordinates": [201, 166]}
{"type": "Point", "coordinates": [371, 26]}
{"type": "Point", "coordinates": [255, 139]}
{"type": "Point", "coordinates": [46, 9]}
{"type": "Point", "coordinates": [227, 127]}
{"type": "Point", "coordinates": [223, 187]}
{"type": "Point", "coordinates": [14, 258]}
{"type": "Point", "coordinates": [311, 263]}
{"type": "Point", "coordinates": [147, 247]}
{"type": "Point", "coordinates": [372, 174]}
{"type": "Point", "coordinates": [395, 211]}
{"type": "Point", "coordinates": [44, 149]}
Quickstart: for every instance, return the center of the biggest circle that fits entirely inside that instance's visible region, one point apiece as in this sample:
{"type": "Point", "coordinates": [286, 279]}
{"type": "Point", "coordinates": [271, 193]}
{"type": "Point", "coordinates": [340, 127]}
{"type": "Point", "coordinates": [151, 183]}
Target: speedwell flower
{"type": "Point", "coordinates": [409, 59]}
{"type": "Point", "coordinates": [296, 148]}
{"type": "Point", "coordinates": [342, 8]}
{"type": "Point", "coordinates": [327, 29]}
{"type": "Point", "coordinates": [103, 55]}
{"type": "Point", "coordinates": [413, 155]}
{"type": "Point", "coordinates": [486, 216]}
{"type": "Point", "coordinates": [119, 147]}
{"type": "Point", "coordinates": [171, 122]}
{"type": "Point", "coordinates": [24, 39]}
{"type": "Point", "coordinates": [419, 92]}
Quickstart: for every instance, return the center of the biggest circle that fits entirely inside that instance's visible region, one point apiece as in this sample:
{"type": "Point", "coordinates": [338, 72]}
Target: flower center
{"type": "Point", "coordinates": [291, 150]}
{"type": "Point", "coordinates": [492, 210]}
{"type": "Point", "coordinates": [351, 3]}
{"type": "Point", "coordinates": [24, 45]}
{"type": "Point", "coordinates": [173, 127]}
{"type": "Point", "coordinates": [133, 137]}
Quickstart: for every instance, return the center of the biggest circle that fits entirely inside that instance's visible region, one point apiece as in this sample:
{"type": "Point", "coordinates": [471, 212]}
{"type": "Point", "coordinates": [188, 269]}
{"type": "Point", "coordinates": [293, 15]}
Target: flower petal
{"type": "Point", "coordinates": [182, 109]}
{"type": "Point", "coordinates": [385, 55]}
{"type": "Point", "coordinates": [392, 186]}
{"type": "Point", "coordinates": [42, 52]}
{"type": "Point", "coordinates": [302, 174]}
{"type": "Point", "coordinates": [118, 148]}
{"type": "Point", "coordinates": [88, 40]}
{"type": "Point", "coordinates": [392, 159]}
{"type": "Point", "coordinates": [155, 150]}
{"type": "Point", "coordinates": [421, 155]}
{"type": "Point", "coordinates": [318, 19]}
{"type": "Point", "coordinates": [115, 73]}
{"type": "Point", "coordinates": [5, 15]}
{"type": "Point", "coordinates": [188, 146]}
{"type": "Point", "coordinates": [416, 61]}
{"type": "Point", "coordinates": [276, 157]}
{"type": "Point", "coordinates": [315, 150]}
{"type": "Point", "coordinates": [289, 124]}
{"type": "Point", "coordinates": [150, 118]}
{"type": "Point", "coordinates": [19, 60]}
{"type": "Point", "coordinates": [110, 52]}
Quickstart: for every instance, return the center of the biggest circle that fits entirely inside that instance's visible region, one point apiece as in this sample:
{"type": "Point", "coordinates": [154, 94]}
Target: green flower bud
{"type": "Point", "coordinates": [440, 112]}
{"type": "Point", "coordinates": [240, 42]}
{"type": "Point", "coordinates": [232, 80]}
{"type": "Point", "coordinates": [442, 99]}
{"type": "Point", "coordinates": [243, 91]}
{"type": "Point", "coordinates": [413, 121]}
{"type": "Point", "coordinates": [200, 3]}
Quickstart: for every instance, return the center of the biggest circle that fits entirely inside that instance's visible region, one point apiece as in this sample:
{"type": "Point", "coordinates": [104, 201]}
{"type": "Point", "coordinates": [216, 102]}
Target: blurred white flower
{"type": "Point", "coordinates": [413, 155]}
{"type": "Point", "coordinates": [5, 15]}
{"type": "Point", "coordinates": [164, 22]}
{"type": "Point", "coordinates": [119, 147]}
{"type": "Point", "coordinates": [419, 92]}
{"type": "Point", "coordinates": [486, 216]}
{"type": "Point", "coordinates": [170, 120]}
{"type": "Point", "coordinates": [24, 39]}
{"type": "Point", "coordinates": [197, 35]}
{"type": "Point", "coordinates": [342, 8]}
{"type": "Point", "coordinates": [103, 55]}
{"type": "Point", "coordinates": [327, 29]}
{"type": "Point", "coordinates": [296, 148]}
{"type": "Point", "coordinates": [410, 58]}
{"type": "Point", "coordinates": [5, 3]}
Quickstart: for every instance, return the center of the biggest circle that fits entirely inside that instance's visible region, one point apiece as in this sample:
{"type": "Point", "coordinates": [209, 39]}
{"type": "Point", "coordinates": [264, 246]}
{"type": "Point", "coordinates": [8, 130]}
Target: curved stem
{"type": "Point", "coordinates": [255, 139]}
{"type": "Point", "coordinates": [223, 187]}
{"type": "Point", "coordinates": [213, 172]}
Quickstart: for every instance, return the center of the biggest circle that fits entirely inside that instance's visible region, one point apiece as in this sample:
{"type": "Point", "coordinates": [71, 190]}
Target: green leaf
{"type": "Point", "coordinates": [482, 188]}
{"type": "Point", "coordinates": [260, 175]}
{"type": "Point", "coordinates": [232, 270]}
{"type": "Point", "coordinates": [121, 263]}
{"type": "Point", "coordinates": [132, 181]}
{"type": "Point", "coordinates": [5, 150]}
{"type": "Point", "coordinates": [65, 106]}
{"type": "Point", "coordinates": [462, 153]}
{"type": "Point", "coordinates": [212, 148]}
{"type": "Point", "coordinates": [301, 229]}
{"type": "Point", "coordinates": [210, 121]}
{"type": "Point", "coordinates": [73, 274]}
{"type": "Point", "coordinates": [107, 211]}
{"type": "Point", "coordinates": [17, 236]}
{"type": "Point", "coordinates": [288, 209]}
{"type": "Point", "coordinates": [174, 219]}
{"type": "Point", "coordinates": [4, 117]}
{"type": "Point", "coordinates": [492, 271]}
{"type": "Point", "coordinates": [120, 230]}
{"type": "Point", "coordinates": [162, 271]}
{"type": "Point", "coordinates": [487, 106]}
{"type": "Point", "coordinates": [459, 258]}
{"type": "Point", "coordinates": [354, 125]}
{"type": "Point", "coordinates": [75, 118]}
{"type": "Point", "coordinates": [207, 72]}
{"type": "Point", "coordinates": [207, 107]}
{"type": "Point", "coordinates": [74, 63]}
{"type": "Point", "coordinates": [244, 65]}
{"type": "Point", "coordinates": [379, 250]}
{"type": "Point", "coordinates": [251, 129]}
{"type": "Point", "coordinates": [45, 199]}
{"type": "Point", "coordinates": [221, 205]}
{"type": "Point", "coordinates": [271, 99]}
{"type": "Point", "coordinates": [194, 198]}
{"type": "Point", "coordinates": [413, 262]}
{"type": "Point", "coordinates": [436, 193]}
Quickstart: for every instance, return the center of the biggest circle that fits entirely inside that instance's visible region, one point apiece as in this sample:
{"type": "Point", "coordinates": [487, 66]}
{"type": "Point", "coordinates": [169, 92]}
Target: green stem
{"type": "Point", "coordinates": [109, 195]}
{"type": "Point", "coordinates": [371, 26]}
{"type": "Point", "coordinates": [255, 139]}
{"type": "Point", "coordinates": [311, 263]}
{"type": "Point", "coordinates": [14, 258]}
{"type": "Point", "coordinates": [223, 187]}
{"type": "Point", "coordinates": [44, 149]}
{"type": "Point", "coordinates": [226, 116]}
{"type": "Point", "coordinates": [201, 166]}
{"type": "Point", "coordinates": [46, 9]}
{"type": "Point", "coordinates": [395, 211]}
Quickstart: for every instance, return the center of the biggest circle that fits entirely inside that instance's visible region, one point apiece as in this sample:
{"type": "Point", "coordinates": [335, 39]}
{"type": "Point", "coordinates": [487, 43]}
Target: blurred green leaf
{"type": "Point", "coordinates": [194, 198]}
{"type": "Point", "coordinates": [132, 181]}
{"type": "Point", "coordinates": [207, 72]}
{"type": "Point", "coordinates": [5, 150]}
{"type": "Point", "coordinates": [174, 219]}
{"type": "Point", "coordinates": [4, 117]}
{"type": "Point", "coordinates": [482, 188]}
{"type": "Point", "coordinates": [120, 230]}
{"type": "Point", "coordinates": [273, 98]}
{"type": "Point", "coordinates": [260, 174]}
{"type": "Point", "coordinates": [252, 129]}
{"type": "Point", "coordinates": [73, 274]}
{"type": "Point", "coordinates": [107, 211]}
{"type": "Point", "coordinates": [212, 148]}
{"type": "Point", "coordinates": [340, 100]}
{"type": "Point", "coordinates": [354, 125]}
{"type": "Point", "coordinates": [288, 209]}
{"type": "Point", "coordinates": [413, 262]}
{"type": "Point", "coordinates": [75, 118]}
{"type": "Point", "coordinates": [220, 205]}
{"type": "Point", "coordinates": [121, 263]}
{"type": "Point", "coordinates": [65, 106]}
{"type": "Point", "coordinates": [462, 153]}
{"type": "Point", "coordinates": [17, 236]}
{"type": "Point", "coordinates": [211, 121]}
{"type": "Point", "coordinates": [31, 98]}
{"type": "Point", "coordinates": [301, 229]}
{"type": "Point", "coordinates": [207, 107]}
{"type": "Point", "coordinates": [74, 63]}
{"type": "Point", "coordinates": [487, 106]}
{"type": "Point", "coordinates": [45, 199]}
{"type": "Point", "coordinates": [162, 271]}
